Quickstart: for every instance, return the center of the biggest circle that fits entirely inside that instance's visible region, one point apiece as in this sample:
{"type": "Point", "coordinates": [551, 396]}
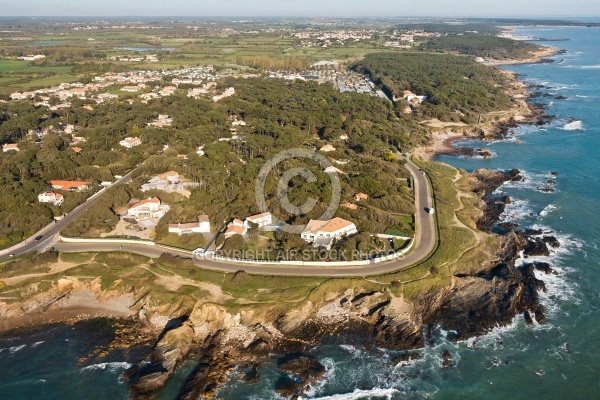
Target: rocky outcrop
{"type": "Point", "coordinates": [484, 182]}
{"type": "Point", "coordinates": [468, 152]}
{"type": "Point", "coordinates": [300, 371]}
{"type": "Point", "coordinates": [173, 346]}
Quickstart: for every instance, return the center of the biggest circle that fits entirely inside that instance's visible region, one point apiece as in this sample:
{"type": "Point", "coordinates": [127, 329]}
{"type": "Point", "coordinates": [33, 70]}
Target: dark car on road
{"type": "Point", "coordinates": [38, 238]}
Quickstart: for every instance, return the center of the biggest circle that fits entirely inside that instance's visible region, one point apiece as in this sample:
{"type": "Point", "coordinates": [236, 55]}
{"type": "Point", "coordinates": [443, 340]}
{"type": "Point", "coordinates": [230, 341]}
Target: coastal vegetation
{"type": "Point", "coordinates": [485, 46]}
{"type": "Point", "coordinates": [456, 88]}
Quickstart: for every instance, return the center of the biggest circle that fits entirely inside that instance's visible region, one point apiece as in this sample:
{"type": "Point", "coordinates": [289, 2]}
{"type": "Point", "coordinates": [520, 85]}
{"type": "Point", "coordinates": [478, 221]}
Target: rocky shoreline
{"type": "Point", "coordinates": [233, 345]}
{"type": "Point", "coordinates": [228, 344]}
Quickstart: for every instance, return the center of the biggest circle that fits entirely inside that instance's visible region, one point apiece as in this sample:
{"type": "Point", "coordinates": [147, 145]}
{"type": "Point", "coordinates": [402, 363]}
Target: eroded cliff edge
{"type": "Point", "coordinates": [229, 322]}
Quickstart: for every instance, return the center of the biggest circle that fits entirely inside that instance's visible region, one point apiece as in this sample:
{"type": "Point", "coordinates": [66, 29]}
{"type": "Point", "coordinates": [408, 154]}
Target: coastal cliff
{"type": "Point", "coordinates": [181, 313]}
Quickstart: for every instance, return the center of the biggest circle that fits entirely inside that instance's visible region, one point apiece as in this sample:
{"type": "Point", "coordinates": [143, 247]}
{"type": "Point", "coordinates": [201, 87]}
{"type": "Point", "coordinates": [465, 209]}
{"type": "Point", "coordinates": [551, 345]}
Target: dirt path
{"type": "Point", "coordinates": [56, 267]}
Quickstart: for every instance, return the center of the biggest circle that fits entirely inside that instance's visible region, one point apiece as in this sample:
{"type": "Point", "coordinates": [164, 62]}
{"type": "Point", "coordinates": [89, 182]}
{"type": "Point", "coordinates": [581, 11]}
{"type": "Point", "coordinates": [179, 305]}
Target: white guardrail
{"type": "Point", "coordinates": [389, 257]}
{"type": "Point", "coordinates": [106, 240]}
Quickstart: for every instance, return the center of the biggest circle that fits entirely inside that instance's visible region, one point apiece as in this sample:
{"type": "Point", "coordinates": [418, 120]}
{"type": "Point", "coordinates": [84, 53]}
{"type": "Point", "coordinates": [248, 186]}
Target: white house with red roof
{"type": "Point", "coordinates": [322, 233]}
{"type": "Point", "coordinates": [51, 197]}
{"type": "Point", "coordinates": [235, 227]}
{"type": "Point", "coordinates": [10, 147]}
{"type": "Point", "coordinates": [71, 186]}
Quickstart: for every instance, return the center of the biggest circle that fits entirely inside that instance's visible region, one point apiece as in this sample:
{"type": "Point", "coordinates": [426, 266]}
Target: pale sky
{"type": "Point", "coordinates": [326, 8]}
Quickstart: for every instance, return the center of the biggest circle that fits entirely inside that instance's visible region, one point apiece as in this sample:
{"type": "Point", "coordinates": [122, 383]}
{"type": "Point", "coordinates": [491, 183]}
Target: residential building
{"type": "Point", "coordinates": [150, 208]}
{"type": "Point", "coordinates": [261, 220]}
{"type": "Point", "coordinates": [70, 186]}
{"type": "Point", "coordinates": [77, 140]}
{"type": "Point", "coordinates": [169, 182]}
{"type": "Point", "coordinates": [10, 147]}
{"type": "Point", "coordinates": [327, 148]}
{"type": "Point", "coordinates": [202, 226]}
{"type": "Point", "coordinates": [235, 227]}
{"type": "Point", "coordinates": [322, 233]}
{"type": "Point", "coordinates": [360, 196]}
{"type": "Point", "coordinates": [51, 197]}
{"type": "Point", "coordinates": [350, 206]}
{"type": "Point", "coordinates": [130, 142]}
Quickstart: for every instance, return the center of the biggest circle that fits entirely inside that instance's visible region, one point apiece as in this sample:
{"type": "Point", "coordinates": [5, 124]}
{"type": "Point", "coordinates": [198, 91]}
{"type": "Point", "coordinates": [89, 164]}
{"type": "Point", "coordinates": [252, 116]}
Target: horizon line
{"type": "Point", "coordinates": [303, 16]}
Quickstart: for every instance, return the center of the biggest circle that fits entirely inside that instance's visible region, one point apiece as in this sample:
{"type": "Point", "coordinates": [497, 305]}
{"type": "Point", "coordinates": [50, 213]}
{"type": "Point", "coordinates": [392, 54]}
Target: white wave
{"type": "Point", "coordinates": [548, 209]}
{"type": "Point", "coordinates": [328, 376]}
{"type": "Point", "coordinates": [590, 67]}
{"type": "Point", "coordinates": [573, 126]}
{"type": "Point", "coordinates": [516, 210]}
{"type": "Point", "coordinates": [560, 290]}
{"type": "Point", "coordinates": [359, 394]}
{"type": "Point", "coordinates": [14, 349]}
{"type": "Point", "coordinates": [111, 366]}
{"type": "Point", "coordinates": [36, 344]}
{"type": "Point", "coordinates": [531, 181]}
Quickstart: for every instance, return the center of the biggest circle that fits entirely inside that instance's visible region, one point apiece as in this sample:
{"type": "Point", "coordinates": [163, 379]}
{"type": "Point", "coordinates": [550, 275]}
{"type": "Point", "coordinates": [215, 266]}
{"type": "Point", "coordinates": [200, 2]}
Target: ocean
{"type": "Point", "coordinates": [559, 359]}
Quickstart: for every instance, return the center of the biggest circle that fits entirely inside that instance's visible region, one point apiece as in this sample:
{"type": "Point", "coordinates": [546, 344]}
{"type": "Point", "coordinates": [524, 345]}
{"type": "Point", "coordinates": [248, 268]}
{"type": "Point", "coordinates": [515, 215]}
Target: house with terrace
{"type": "Point", "coordinates": [323, 233]}
{"type": "Point", "coordinates": [51, 197]}
{"type": "Point", "coordinates": [149, 208]}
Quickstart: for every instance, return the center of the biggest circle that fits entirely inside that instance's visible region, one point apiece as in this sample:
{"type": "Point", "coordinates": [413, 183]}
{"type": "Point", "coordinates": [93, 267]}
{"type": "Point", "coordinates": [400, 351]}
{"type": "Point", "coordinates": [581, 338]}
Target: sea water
{"type": "Point", "coordinates": [556, 360]}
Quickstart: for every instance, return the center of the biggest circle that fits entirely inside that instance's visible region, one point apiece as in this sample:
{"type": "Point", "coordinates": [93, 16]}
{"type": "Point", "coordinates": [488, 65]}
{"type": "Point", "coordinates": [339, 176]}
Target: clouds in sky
{"type": "Point", "coordinates": [331, 8]}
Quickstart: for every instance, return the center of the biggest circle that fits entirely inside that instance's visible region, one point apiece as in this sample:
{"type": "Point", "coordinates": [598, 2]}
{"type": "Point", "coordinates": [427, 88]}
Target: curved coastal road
{"type": "Point", "coordinates": [48, 232]}
{"type": "Point", "coordinates": [425, 240]}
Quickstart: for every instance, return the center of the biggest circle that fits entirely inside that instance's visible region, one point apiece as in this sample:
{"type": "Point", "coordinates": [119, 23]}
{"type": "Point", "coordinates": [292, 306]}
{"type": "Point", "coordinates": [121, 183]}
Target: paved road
{"type": "Point", "coordinates": [49, 231]}
{"type": "Point", "coordinates": [425, 239]}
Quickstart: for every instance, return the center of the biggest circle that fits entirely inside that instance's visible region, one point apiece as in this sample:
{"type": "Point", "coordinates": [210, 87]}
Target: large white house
{"type": "Point", "coordinates": [130, 142]}
{"type": "Point", "coordinates": [51, 197]}
{"type": "Point", "coordinates": [322, 233]}
{"type": "Point", "coordinates": [149, 208]}
{"type": "Point", "coordinates": [202, 226]}
{"type": "Point", "coordinates": [259, 219]}
{"type": "Point", "coordinates": [168, 182]}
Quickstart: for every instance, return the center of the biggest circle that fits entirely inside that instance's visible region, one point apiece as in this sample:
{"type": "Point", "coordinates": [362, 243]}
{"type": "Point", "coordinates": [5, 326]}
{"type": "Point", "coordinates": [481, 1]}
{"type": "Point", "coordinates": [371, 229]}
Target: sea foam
{"type": "Point", "coordinates": [110, 366]}
{"type": "Point", "coordinates": [359, 394]}
{"type": "Point", "coordinates": [573, 126]}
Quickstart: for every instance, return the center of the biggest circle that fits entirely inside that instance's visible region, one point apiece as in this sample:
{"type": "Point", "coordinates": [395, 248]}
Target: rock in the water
{"type": "Point", "coordinates": [168, 352]}
{"type": "Point", "coordinates": [535, 247]}
{"type": "Point", "coordinates": [551, 241]}
{"type": "Point", "coordinates": [251, 373]}
{"type": "Point", "coordinates": [405, 358]}
{"type": "Point", "coordinates": [446, 360]}
{"type": "Point", "coordinates": [542, 266]}
{"type": "Point", "coordinates": [540, 316]}
{"type": "Point", "coordinates": [301, 371]}
{"type": "Point", "coordinates": [527, 317]}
